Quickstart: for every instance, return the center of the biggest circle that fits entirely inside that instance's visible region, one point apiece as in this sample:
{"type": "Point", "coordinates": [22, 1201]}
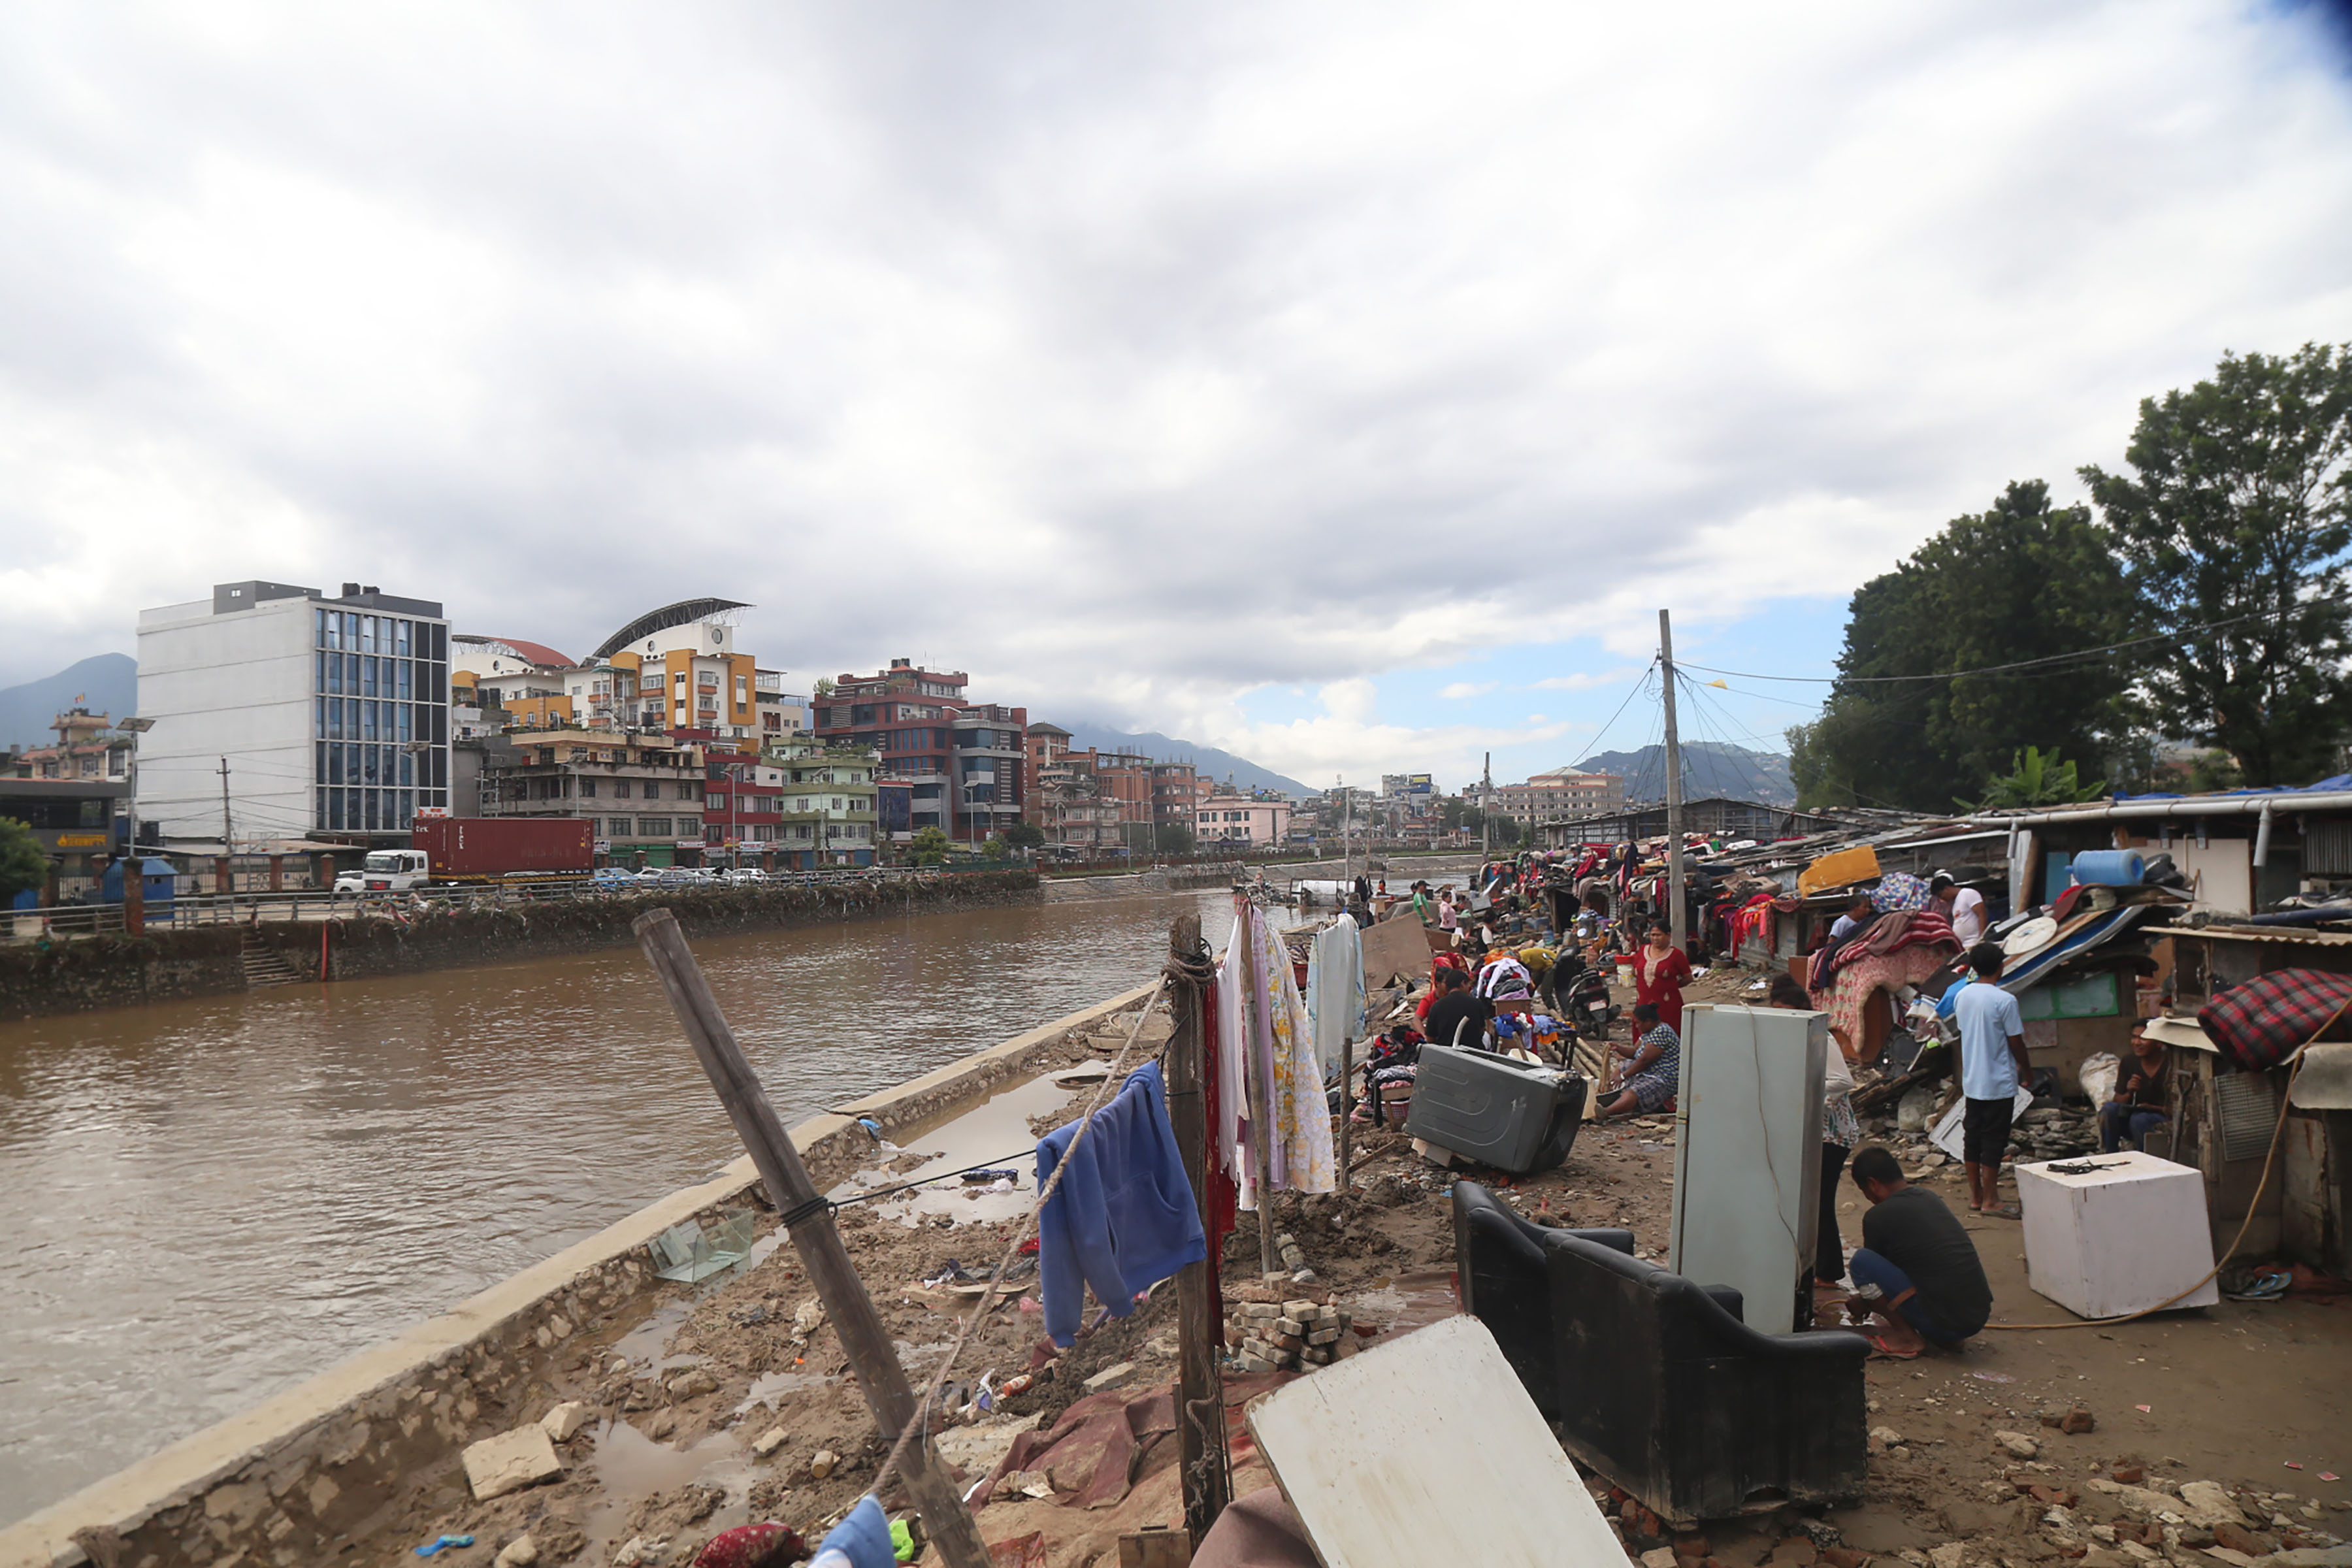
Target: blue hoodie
{"type": "Point", "coordinates": [1124, 1218]}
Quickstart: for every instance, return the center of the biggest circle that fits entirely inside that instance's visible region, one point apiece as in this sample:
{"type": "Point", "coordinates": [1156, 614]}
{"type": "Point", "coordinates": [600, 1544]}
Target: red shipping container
{"type": "Point", "coordinates": [498, 848]}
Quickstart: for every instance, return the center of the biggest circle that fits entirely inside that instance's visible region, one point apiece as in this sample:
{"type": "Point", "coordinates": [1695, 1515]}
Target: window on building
{"type": "Point", "coordinates": [653, 789]}
{"type": "Point", "coordinates": [654, 826]}
{"type": "Point", "coordinates": [621, 789]}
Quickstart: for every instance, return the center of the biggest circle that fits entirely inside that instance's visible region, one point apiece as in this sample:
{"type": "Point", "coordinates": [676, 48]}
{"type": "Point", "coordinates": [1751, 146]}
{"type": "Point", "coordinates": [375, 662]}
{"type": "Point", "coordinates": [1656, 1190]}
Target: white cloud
{"type": "Point", "coordinates": [1580, 681]}
{"type": "Point", "coordinates": [1463, 690]}
{"type": "Point", "coordinates": [1130, 360]}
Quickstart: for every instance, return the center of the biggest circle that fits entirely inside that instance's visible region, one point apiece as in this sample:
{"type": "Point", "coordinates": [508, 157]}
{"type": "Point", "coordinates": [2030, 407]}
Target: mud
{"type": "Point", "coordinates": [684, 1398]}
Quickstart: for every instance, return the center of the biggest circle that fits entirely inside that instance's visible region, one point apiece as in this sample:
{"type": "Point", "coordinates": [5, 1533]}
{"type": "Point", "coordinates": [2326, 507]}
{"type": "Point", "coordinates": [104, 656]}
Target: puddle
{"type": "Point", "coordinates": [631, 1467]}
{"type": "Point", "coordinates": [994, 1133]}
{"type": "Point", "coordinates": [646, 1344]}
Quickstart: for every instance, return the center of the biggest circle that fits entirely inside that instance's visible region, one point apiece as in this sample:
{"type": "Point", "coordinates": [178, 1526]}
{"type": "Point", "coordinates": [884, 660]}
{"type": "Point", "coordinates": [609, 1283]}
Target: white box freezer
{"type": "Point", "coordinates": [1747, 1155]}
{"type": "Point", "coordinates": [2119, 1237]}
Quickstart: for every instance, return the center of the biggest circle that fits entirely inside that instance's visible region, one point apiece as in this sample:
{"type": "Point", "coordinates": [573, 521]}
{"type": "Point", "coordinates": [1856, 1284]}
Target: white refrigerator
{"type": "Point", "coordinates": [1748, 1164]}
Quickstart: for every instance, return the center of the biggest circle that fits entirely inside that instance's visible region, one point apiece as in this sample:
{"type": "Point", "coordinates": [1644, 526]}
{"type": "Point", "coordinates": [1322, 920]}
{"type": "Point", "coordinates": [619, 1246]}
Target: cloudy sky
{"type": "Point", "coordinates": [1346, 384]}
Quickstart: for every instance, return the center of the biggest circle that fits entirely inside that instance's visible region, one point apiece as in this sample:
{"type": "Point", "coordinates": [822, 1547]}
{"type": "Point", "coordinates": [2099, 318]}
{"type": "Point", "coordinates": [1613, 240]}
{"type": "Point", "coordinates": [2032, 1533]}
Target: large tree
{"type": "Point", "coordinates": [2019, 582]}
{"type": "Point", "coordinates": [2239, 511]}
{"type": "Point", "coordinates": [23, 865]}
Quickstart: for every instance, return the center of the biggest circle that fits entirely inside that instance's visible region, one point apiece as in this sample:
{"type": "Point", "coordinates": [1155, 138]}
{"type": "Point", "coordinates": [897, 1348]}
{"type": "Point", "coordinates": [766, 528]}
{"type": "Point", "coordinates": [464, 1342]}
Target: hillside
{"type": "Point", "coordinates": [1207, 761]}
{"type": "Point", "coordinates": [107, 683]}
{"type": "Point", "coordinates": [1709, 768]}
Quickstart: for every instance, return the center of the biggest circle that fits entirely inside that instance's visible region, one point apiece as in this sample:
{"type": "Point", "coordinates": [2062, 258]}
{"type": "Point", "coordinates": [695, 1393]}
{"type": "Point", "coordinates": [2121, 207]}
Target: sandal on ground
{"type": "Point", "coordinates": [2003, 1211]}
{"type": "Point", "coordinates": [1880, 1349]}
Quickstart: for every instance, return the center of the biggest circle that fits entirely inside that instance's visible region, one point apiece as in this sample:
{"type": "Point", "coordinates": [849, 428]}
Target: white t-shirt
{"type": "Point", "coordinates": [1968, 917]}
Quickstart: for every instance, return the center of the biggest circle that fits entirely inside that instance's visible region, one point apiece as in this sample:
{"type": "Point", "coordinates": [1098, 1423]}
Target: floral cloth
{"type": "Point", "coordinates": [1281, 1054]}
{"type": "Point", "coordinates": [1899, 890]}
{"type": "Point", "coordinates": [1859, 981]}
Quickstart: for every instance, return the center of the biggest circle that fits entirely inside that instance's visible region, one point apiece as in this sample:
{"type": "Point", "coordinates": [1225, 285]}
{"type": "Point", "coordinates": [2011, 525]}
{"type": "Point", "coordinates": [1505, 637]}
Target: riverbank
{"type": "Point", "coordinates": [77, 973]}
{"type": "Point", "coordinates": [301, 1476]}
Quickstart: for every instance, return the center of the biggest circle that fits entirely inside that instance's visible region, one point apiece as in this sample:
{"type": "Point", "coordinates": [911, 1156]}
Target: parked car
{"type": "Point", "coordinates": [612, 879]}
{"type": "Point", "coordinates": [743, 874]}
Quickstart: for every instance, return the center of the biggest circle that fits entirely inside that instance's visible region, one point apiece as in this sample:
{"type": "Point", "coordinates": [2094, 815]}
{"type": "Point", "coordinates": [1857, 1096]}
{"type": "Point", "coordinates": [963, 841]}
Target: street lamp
{"type": "Point", "coordinates": [134, 865]}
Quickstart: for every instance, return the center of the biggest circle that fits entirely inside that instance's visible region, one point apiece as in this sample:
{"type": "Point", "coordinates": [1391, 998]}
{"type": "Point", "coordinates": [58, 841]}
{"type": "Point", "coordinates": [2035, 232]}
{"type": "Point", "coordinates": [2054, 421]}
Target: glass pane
{"type": "Point", "coordinates": [402, 713]}
{"type": "Point", "coordinates": [367, 676]}
{"type": "Point", "coordinates": [406, 672]}
{"type": "Point", "coordinates": [400, 632]}
{"type": "Point", "coordinates": [351, 629]}
{"type": "Point", "coordinates": [407, 806]}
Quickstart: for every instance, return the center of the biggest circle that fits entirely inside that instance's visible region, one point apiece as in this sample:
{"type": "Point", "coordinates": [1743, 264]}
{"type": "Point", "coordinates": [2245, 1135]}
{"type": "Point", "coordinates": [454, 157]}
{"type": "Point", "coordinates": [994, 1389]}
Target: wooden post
{"type": "Point", "coordinates": [1261, 1093]}
{"type": "Point", "coordinates": [863, 1338]}
{"type": "Point", "coordinates": [1201, 1410]}
{"type": "Point", "coordinates": [1347, 1098]}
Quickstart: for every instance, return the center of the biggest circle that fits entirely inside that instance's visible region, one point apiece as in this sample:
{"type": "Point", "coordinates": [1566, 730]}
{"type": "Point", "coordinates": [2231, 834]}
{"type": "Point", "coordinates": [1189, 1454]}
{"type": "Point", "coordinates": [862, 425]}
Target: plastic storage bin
{"type": "Point", "coordinates": [1514, 1116]}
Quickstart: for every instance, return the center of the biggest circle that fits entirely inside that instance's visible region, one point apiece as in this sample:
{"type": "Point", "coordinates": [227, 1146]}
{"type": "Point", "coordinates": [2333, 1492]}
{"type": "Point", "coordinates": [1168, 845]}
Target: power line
{"type": "Point", "coordinates": [1640, 685]}
{"type": "Point", "coordinates": [2100, 652]}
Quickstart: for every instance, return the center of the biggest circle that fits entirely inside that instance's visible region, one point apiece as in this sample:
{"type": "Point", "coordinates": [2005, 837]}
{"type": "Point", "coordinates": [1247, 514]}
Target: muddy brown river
{"type": "Point", "coordinates": [204, 1202]}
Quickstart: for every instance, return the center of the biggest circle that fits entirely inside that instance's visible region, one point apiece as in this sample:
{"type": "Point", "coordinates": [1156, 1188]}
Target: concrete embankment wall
{"type": "Point", "coordinates": [71, 974]}
{"type": "Point", "coordinates": [283, 1482]}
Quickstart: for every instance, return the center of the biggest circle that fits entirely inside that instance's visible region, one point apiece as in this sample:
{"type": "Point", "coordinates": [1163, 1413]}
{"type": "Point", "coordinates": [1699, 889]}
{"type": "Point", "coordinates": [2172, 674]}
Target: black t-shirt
{"type": "Point", "coordinates": [1454, 1008]}
{"type": "Point", "coordinates": [1916, 1231]}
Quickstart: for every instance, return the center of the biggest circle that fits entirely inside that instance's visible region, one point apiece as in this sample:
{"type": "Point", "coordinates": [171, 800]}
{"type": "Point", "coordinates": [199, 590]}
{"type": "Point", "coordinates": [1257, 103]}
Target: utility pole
{"type": "Point", "coordinates": [1679, 919]}
{"type": "Point", "coordinates": [228, 876]}
{"type": "Point", "coordinates": [1486, 808]}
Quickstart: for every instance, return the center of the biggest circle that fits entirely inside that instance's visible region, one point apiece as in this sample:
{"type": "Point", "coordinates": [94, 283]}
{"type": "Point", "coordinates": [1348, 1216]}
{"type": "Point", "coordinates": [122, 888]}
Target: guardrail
{"type": "Point", "coordinates": [188, 910]}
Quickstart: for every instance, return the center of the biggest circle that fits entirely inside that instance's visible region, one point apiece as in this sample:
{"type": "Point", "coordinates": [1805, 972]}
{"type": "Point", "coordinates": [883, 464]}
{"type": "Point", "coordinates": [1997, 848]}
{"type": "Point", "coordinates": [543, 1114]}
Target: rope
{"type": "Point", "coordinates": [2270, 1162]}
{"type": "Point", "coordinates": [918, 1423]}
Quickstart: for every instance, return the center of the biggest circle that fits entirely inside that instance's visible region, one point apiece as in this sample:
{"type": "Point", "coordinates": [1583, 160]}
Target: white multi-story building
{"type": "Point", "coordinates": [320, 718]}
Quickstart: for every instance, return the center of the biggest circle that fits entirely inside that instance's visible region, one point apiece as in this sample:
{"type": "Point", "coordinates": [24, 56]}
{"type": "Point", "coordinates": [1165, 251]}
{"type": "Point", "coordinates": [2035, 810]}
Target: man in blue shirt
{"type": "Point", "coordinates": [1992, 1059]}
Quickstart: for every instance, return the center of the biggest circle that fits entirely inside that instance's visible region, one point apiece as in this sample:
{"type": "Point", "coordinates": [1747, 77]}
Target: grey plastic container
{"type": "Point", "coordinates": [1511, 1115]}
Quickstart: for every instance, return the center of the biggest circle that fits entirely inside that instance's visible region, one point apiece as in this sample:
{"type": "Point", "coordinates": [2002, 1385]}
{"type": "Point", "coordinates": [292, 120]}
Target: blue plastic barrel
{"type": "Point", "coordinates": [2108, 867]}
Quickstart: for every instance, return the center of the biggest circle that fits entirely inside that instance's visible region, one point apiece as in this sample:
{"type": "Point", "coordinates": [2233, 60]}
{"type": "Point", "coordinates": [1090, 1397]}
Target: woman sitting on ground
{"type": "Point", "coordinates": [1654, 1066]}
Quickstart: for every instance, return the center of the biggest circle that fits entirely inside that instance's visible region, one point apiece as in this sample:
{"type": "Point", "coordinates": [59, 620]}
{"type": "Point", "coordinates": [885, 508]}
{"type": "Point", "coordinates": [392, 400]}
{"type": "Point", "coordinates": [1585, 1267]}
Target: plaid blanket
{"type": "Point", "coordinates": [2263, 1022]}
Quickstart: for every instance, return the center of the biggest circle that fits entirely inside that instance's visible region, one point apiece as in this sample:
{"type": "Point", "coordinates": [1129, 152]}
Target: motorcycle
{"type": "Point", "coordinates": [1581, 996]}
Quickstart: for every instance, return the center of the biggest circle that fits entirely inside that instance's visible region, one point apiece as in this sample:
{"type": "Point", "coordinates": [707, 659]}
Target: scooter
{"type": "Point", "coordinates": [1583, 999]}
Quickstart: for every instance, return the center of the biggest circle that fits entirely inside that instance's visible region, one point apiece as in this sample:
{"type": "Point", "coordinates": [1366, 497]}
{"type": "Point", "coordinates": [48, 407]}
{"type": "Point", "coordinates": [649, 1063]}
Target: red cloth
{"type": "Point", "coordinates": [1658, 980]}
{"type": "Point", "coordinates": [753, 1546]}
{"type": "Point", "coordinates": [1223, 1195]}
{"type": "Point", "coordinates": [2263, 1022]}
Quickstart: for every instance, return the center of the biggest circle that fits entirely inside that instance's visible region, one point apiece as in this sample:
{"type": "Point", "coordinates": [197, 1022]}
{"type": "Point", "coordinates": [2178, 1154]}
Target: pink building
{"type": "Point", "coordinates": [1239, 820]}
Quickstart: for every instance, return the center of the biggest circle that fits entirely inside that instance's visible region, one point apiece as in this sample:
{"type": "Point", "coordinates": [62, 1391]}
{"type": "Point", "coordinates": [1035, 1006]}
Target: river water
{"type": "Point", "coordinates": [202, 1202]}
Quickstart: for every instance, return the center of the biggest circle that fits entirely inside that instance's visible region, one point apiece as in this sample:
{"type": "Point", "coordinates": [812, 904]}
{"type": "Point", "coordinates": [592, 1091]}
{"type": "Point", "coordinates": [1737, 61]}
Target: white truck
{"type": "Point", "coordinates": [387, 871]}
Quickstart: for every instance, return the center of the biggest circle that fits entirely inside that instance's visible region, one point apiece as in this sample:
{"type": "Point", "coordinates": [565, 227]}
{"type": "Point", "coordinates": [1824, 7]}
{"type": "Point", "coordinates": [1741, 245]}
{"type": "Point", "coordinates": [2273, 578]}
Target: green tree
{"type": "Point", "coordinates": [2020, 581]}
{"type": "Point", "coordinates": [994, 847]}
{"type": "Point", "coordinates": [1172, 838]}
{"type": "Point", "coordinates": [23, 867]}
{"type": "Point", "coordinates": [2036, 778]}
{"type": "Point", "coordinates": [2239, 511]}
{"type": "Point", "coordinates": [1026, 835]}
{"type": "Point", "coordinates": [928, 847]}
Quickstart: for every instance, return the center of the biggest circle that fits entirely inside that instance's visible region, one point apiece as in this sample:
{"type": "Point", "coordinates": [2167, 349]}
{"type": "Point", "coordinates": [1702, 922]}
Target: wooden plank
{"type": "Point", "coordinates": [851, 1310]}
{"type": "Point", "coordinates": [1206, 1467]}
{"type": "Point", "coordinates": [1424, 1449]}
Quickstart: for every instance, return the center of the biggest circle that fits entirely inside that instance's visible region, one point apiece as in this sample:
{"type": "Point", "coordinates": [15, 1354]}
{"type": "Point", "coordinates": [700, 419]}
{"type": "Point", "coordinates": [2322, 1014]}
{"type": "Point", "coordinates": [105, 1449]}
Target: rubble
{"type": "Point", "coordinates": [511, 1461]}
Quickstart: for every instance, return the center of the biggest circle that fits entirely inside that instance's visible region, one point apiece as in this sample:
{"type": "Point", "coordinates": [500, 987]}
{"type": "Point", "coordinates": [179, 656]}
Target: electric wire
{"type": "Point", "coordinates": [2100, 651]}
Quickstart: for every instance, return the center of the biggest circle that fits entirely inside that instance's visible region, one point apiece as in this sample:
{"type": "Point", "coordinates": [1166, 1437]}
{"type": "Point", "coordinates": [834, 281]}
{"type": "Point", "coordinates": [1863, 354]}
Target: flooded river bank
{"type": "Point", "coordinates": [202, 1202]}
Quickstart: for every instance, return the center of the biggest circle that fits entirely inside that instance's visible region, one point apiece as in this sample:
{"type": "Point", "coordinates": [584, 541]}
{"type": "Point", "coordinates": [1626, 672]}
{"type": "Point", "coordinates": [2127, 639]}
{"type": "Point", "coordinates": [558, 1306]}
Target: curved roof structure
{"type": "Point", "coordinates": [537, 653]}
{"type": "Point", "coordinates": [681, 614]}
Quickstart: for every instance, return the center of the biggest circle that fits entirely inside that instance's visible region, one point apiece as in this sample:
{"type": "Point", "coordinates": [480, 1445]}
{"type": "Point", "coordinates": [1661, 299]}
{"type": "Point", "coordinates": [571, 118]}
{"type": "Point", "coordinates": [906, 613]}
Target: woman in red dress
{"type": "Point", "coordinates": [1659, 970]}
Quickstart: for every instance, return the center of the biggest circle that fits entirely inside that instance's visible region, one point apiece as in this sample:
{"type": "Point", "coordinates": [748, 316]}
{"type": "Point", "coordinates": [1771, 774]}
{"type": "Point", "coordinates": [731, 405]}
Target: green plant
{"type": "Point", "coordinates": [930, 847]}
{"type": "Point", "coordinates": [23, 867]}
{"type": "Point", "coordinates": [1024, 836]}
{"type": "Point", "coordinates": [2037, 778]}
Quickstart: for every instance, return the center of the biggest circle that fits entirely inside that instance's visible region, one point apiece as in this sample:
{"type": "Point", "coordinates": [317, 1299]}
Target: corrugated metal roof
{"type": "Point", "coordinates": [2296, 934]}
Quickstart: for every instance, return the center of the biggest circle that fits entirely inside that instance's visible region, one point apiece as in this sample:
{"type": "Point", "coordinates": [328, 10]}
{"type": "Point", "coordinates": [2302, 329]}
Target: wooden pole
{"type": "Point", "coordinates": [1261, 1095]}
{"type": "Point", "coordinates": [1200, 1424]}
{"type": "Point", "coordinates": [809, 1221]}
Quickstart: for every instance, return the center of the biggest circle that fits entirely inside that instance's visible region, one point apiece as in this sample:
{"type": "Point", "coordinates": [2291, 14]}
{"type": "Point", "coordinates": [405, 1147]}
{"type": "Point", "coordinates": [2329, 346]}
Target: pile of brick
{"type": "Point", "coordinates": [1290, 1336]}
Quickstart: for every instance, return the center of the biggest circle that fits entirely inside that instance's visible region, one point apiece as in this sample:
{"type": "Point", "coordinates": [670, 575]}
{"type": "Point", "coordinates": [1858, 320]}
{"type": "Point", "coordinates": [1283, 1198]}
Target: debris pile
{"type": "Point", "coordinates": [1291, 1336]}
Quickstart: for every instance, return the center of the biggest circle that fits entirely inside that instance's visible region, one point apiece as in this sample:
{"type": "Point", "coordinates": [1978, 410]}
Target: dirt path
{"type": "Point", "coordinates": [731, 1402]}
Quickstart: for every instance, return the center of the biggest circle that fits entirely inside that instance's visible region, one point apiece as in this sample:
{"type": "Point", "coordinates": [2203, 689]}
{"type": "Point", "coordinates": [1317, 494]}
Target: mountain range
{"type": "Point", "coordinates": [1710, 768]}
{"type": "Point", "coordinates": [105, 683]}
{"type": "Point", "coordinates": [1206, 759]}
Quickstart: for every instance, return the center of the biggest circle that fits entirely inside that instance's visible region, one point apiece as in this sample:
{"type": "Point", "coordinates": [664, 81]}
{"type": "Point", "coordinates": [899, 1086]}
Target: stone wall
{"type": "Point", "coordinates": [432, 935]}
{"type": "Point", "coordinates": [73, 974]}
{"type": "Point", "coordinates": [281, 1484]}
